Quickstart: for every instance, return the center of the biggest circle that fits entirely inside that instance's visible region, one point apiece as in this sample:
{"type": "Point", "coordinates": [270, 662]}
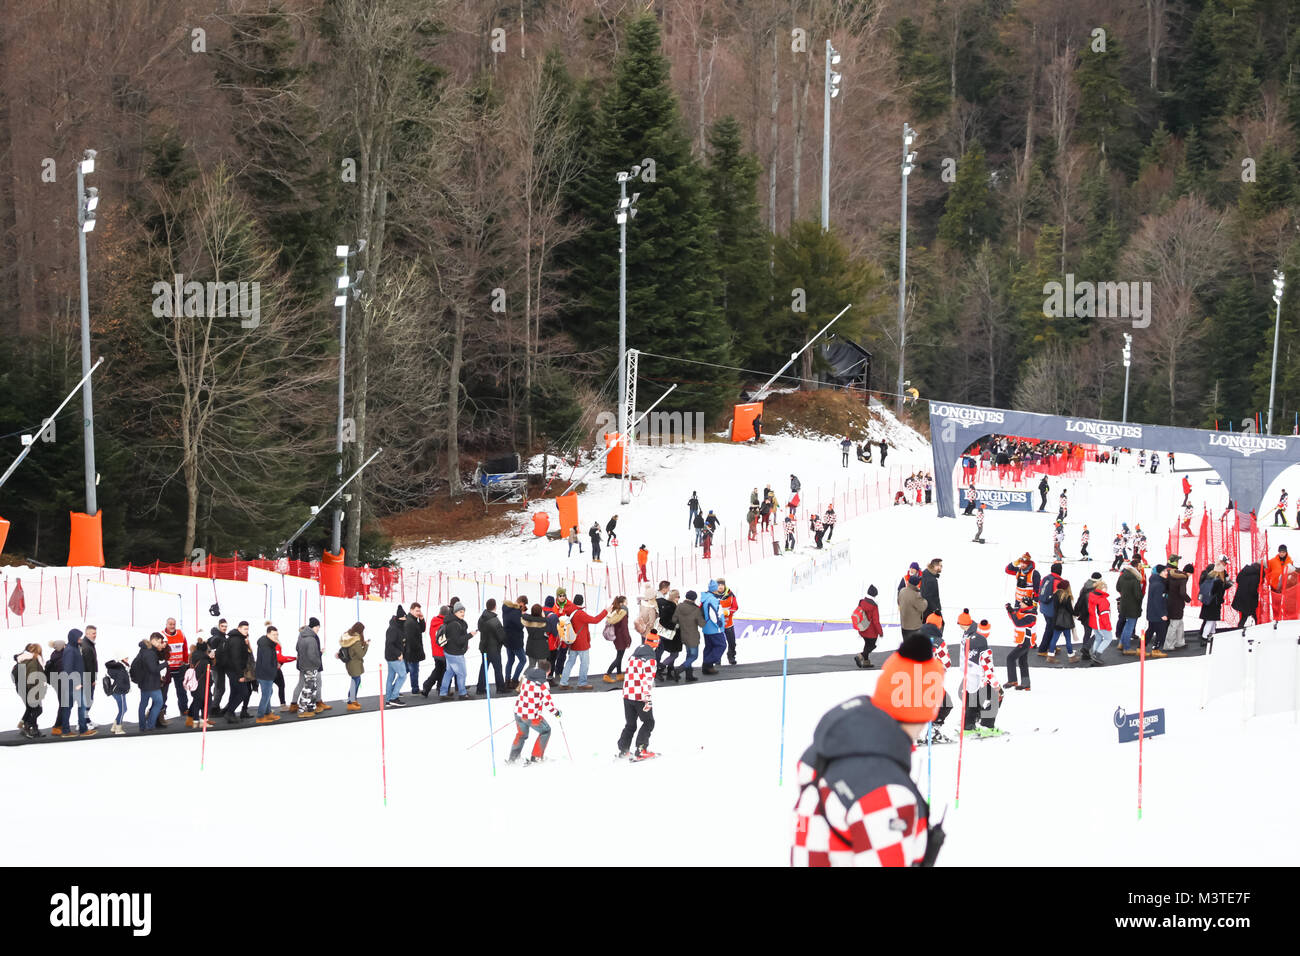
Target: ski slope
{"type": "Point", "coordinates": [1065, 798]}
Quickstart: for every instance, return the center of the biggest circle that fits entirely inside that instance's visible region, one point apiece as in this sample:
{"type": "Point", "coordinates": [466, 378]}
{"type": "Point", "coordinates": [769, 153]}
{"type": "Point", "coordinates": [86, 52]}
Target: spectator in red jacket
{"type": "Point", "coordinates": [1099, 621]}
{"type": "Point", "coordinates": [435, 650]}
{"type": "Point", "coordinates": [178, 659]}
{"type": "Point", "coordinates": [866, 620]}
{"type": "Point", "coordinates": [580, 649]}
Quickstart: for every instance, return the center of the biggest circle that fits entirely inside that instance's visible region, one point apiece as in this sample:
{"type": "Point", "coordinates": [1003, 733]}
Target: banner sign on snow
{"type": "Point", "coordinates": [770, 627]}
{"type": "Point", "coordinates": [1127, 724]}
{"type": "Point", "coordinates": [1000, 499]}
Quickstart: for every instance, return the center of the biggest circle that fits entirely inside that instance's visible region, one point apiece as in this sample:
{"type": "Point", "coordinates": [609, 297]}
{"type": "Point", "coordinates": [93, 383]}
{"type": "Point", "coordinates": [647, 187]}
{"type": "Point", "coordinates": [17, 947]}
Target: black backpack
{"type": "Point", "coordinates": [1207, 590]}
{"type": "Point", "coordinates": [344, 655]}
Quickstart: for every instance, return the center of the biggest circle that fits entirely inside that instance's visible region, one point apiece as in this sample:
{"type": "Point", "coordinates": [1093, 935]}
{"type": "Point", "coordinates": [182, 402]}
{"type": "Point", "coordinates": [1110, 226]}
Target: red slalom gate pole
{"type": "Point", "coordinates": [203, 749]}
{"type": "Point", "coordinates": [383, 742]}
{"type": "Point", "coordinates": [961, 741]}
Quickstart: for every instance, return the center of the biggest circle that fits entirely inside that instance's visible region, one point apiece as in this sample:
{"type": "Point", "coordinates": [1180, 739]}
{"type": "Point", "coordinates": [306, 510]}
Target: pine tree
{"type": "Point", "coordinates": [1105, 116]}
{"type": "Point", "coordinates": [970, 215]}
{"type": "Point", "coordinates": [742, 242]}
{"type": "Point", "coordinates": [672, 272]}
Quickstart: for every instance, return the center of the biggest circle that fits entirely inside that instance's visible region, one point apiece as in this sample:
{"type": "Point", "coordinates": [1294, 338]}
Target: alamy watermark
{"type": "Point", "coordinates": [658, 428]}
{"type": "Point", "coordinates": [1098, 300]}
{"type": "Point", "coordinates": [81, 909]}
{"type": "Point", "coordinates": [208, 300]}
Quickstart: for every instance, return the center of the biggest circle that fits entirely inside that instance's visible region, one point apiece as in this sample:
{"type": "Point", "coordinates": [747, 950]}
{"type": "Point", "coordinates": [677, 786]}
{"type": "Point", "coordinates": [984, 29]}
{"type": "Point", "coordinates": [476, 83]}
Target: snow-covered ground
{"type": "Point", "coordinates": [1034, 798]}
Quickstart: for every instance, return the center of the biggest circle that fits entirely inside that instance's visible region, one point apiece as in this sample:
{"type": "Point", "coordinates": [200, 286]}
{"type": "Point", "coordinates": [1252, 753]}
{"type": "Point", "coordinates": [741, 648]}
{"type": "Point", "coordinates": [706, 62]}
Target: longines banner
{"type": "Point", "coordinates": [1000, 499]}
{"type": "Point", "coordinates": [1246, 462]}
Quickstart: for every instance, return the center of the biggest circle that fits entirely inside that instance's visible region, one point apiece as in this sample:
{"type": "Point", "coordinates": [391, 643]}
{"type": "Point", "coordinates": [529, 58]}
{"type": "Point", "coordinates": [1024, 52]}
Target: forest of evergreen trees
{"type": "Point", "coordinates": [473, 147]}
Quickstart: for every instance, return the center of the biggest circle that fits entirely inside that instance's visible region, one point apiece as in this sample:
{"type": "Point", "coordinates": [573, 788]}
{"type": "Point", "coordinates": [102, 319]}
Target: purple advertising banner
{"type": "Point", "coordinates": [771, 627]}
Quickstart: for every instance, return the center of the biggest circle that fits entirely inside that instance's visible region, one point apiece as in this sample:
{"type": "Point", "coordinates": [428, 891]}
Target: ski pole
{"type": "Point", "coordinates": [929, 762]}
{"type": "Point", "coordinates": [961, 741]}
{"type": "Point", "coordinates": [485, 737]}
{"type": "Point", "coordinates": [383, 743]}
{"type": "Point", "coordinates": [566, 739]}
{"type": "Point", "coordinates": [203, 747]}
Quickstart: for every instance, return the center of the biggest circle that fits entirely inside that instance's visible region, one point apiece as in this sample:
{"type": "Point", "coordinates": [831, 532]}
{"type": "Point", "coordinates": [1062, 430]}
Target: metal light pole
{"type": "Point", "coordinates": [909, 135]}
{"type": "Point", "coordinates": [86, 223]}
{"type": "Point", "coordinates": [1279, 284]}
{"type": "Point", "coordinates": [345, 283]}
{"type": "Point", "coordinates": [1128, 356]}
{"type": "Point", "coordinates": [832, 90]}
{"type": "Point", "coordinates": [626, 210]}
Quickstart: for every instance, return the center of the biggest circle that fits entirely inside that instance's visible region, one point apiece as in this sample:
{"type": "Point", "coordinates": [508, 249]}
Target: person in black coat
{"type": "Point", "coordinates": [238, 656]}
{"type": "Point", "coordinates": [512, 613]}
{"type": "Point", "coordinates": [201, 661]}
{"type": "Point", "coordinates": [594, 534]}
{"type": "Point", "coordinates": [216, 639]}
{"type": "Point", "coordinates": [610, 536]}
{"type": "Point", "coordinates": [413, 644]}
{"type": "Point", "coordinates": [394, 653]}
{"type": "Point", "coordinates": [1042, 490]}
{"type": "Point", "coordinates": [1246, 601]}
{"type": "Point", "coordinates": [268, 665]}
{"type": "Point", "coordinates": [492, 637]}
{"type": "Point", "coordinates": [147, 671]}
{"type": "Point", "coordinates": [1211, 610]}
{"type": "Point", "coordinates": [930, 587]}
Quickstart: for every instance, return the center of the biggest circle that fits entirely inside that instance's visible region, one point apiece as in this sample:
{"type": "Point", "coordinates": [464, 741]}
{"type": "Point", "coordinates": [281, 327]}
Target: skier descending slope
{"type": "Point", "coordinates": [534, 697]}
{"type": "Point", "coordinates": [857, 804]}
{"type": "Point", "coordinates": [637, 688]}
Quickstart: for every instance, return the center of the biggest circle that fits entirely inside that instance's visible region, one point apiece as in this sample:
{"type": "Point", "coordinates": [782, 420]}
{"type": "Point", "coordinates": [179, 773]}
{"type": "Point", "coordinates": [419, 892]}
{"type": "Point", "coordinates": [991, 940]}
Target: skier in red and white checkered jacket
{"type": "Point", "coordinates": [858, 805]}
{"type": "Point", "coordinates": [983, 690]}
{"type": "Point", "coordinates": [534, 698]}
{"type": "Point", "coordinates": [638, 684]}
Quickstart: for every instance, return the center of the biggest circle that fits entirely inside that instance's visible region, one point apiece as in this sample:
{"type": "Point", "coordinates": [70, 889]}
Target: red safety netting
{"type": "Point", "coordinates": [361, 581]}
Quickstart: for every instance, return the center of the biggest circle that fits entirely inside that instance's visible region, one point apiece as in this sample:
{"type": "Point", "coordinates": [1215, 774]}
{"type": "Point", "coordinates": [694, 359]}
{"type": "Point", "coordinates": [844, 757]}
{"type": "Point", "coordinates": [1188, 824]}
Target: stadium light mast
{"type": "Point", "coordinates": [1279, 285]}
{"type": "Point", "coordinates": [1128, 357]}
{"type": "Point", "coordinates": [832, 90]}
{"type": "Point", "coordinates": [87, 201]}
{"type": "Point", "coordinates": [625, 210]}
{"type": "Point", "coordinates": [344, 284]}
{"type": "Point", "coordinates": [909, 136]}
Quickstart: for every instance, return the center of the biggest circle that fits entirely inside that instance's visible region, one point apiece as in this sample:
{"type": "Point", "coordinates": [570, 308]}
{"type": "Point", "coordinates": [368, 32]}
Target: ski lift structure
{"type": "Point", "coordinates": [500, 479]}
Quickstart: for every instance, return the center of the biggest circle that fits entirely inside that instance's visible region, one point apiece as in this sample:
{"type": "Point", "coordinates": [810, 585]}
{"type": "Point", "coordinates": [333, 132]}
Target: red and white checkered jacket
{"type": "Point", "coordinates": [639, 678]}
{"type": "Point", "coordinates": [983, 675]}
{"type": "Point", "coordinates": [941, 655]}
{"type": "Point", "coordinates": [886, 827]}
{"type": "Point", "coordinates": [532, 700]}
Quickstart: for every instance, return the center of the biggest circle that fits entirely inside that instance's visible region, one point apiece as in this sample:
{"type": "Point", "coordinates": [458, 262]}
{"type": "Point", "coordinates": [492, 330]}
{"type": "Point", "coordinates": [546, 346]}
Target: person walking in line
{"type": "Point", "coordinates": [512, 619]}
{"type": "Point", "coordinates": [117, 684]}
{"type": "Point", "coordinates": [1212, 588]}
{"type": "Point", "coordinates": [715, 640]}
{"type": "Point", "coordinates": [352, 654]}
{"type": "Point", "coordinates": [1099, 621]}
{"type": "Point", "coordinates": [610, 536]}
{"type": "Point", "coordinates": [729, 605]}
{"type": "Point", "coordinates": [240, 670]}
{"type": "Point", "coordinates": [455, 639]}
{"type": "Point", "coordinates": [1177, 601]}
{"type": "Point", "coordinates": [147, 671]}
{"type": "Point", "coordinates": [689, 619]}
{"type": "Point", "coordinates": [266, 669]}
{"type": "Point", "coordinates": [574, 539]}
{"type": "Point", "coordinates": [536, 644]}
{"type": "Point", "coordinates": [533, 701]}
{"type": "Point", "coordinates": [699, 529]}
{"type": "Point", "coordinates": [394, 649]}
{"type": "Point", "coordinates": [693, 509]}
{"type": "Point", "coordinates": [866, 621]}
{"type": "Point", "coordinates": [32, 684]}
{"type": "Point", "coordinates": [435, 649]}
{"type": "Point", "coordinates": [413, 644]}
{"type": "Point", "coordinates": [751, 520]}
{"type": "Point", "coordinates": [1062, 622]}
{"type": "Point", "coordinates": [846, 446]}
{"type": "Point", "coordinates": [309, 667]}
{"type": "Point", "coordinates": [637, 692]}
{"type": "Point", "coordinates": [178, 659]}
{"type": "Point", "coordinates": [594, 534]}
{"type": "Point", "coordinates": [71, 687]}
{"type": "Point", "coordinates": [491, 638]}
{"type": "Point", "coordinates": [580, 649]}
{"type": "Point", "coordinates": [616, 625]}
{"type": "Point", "coordinates": [1158, 607]}
{"type": "Point", "coordinates": [708, 544]}
{"type": "Point", "coordinates": [200, 666]}
{"type": "Point", "coordinates": [828, 522]}
{"type": "Point", "coordinates": [217, 638]}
